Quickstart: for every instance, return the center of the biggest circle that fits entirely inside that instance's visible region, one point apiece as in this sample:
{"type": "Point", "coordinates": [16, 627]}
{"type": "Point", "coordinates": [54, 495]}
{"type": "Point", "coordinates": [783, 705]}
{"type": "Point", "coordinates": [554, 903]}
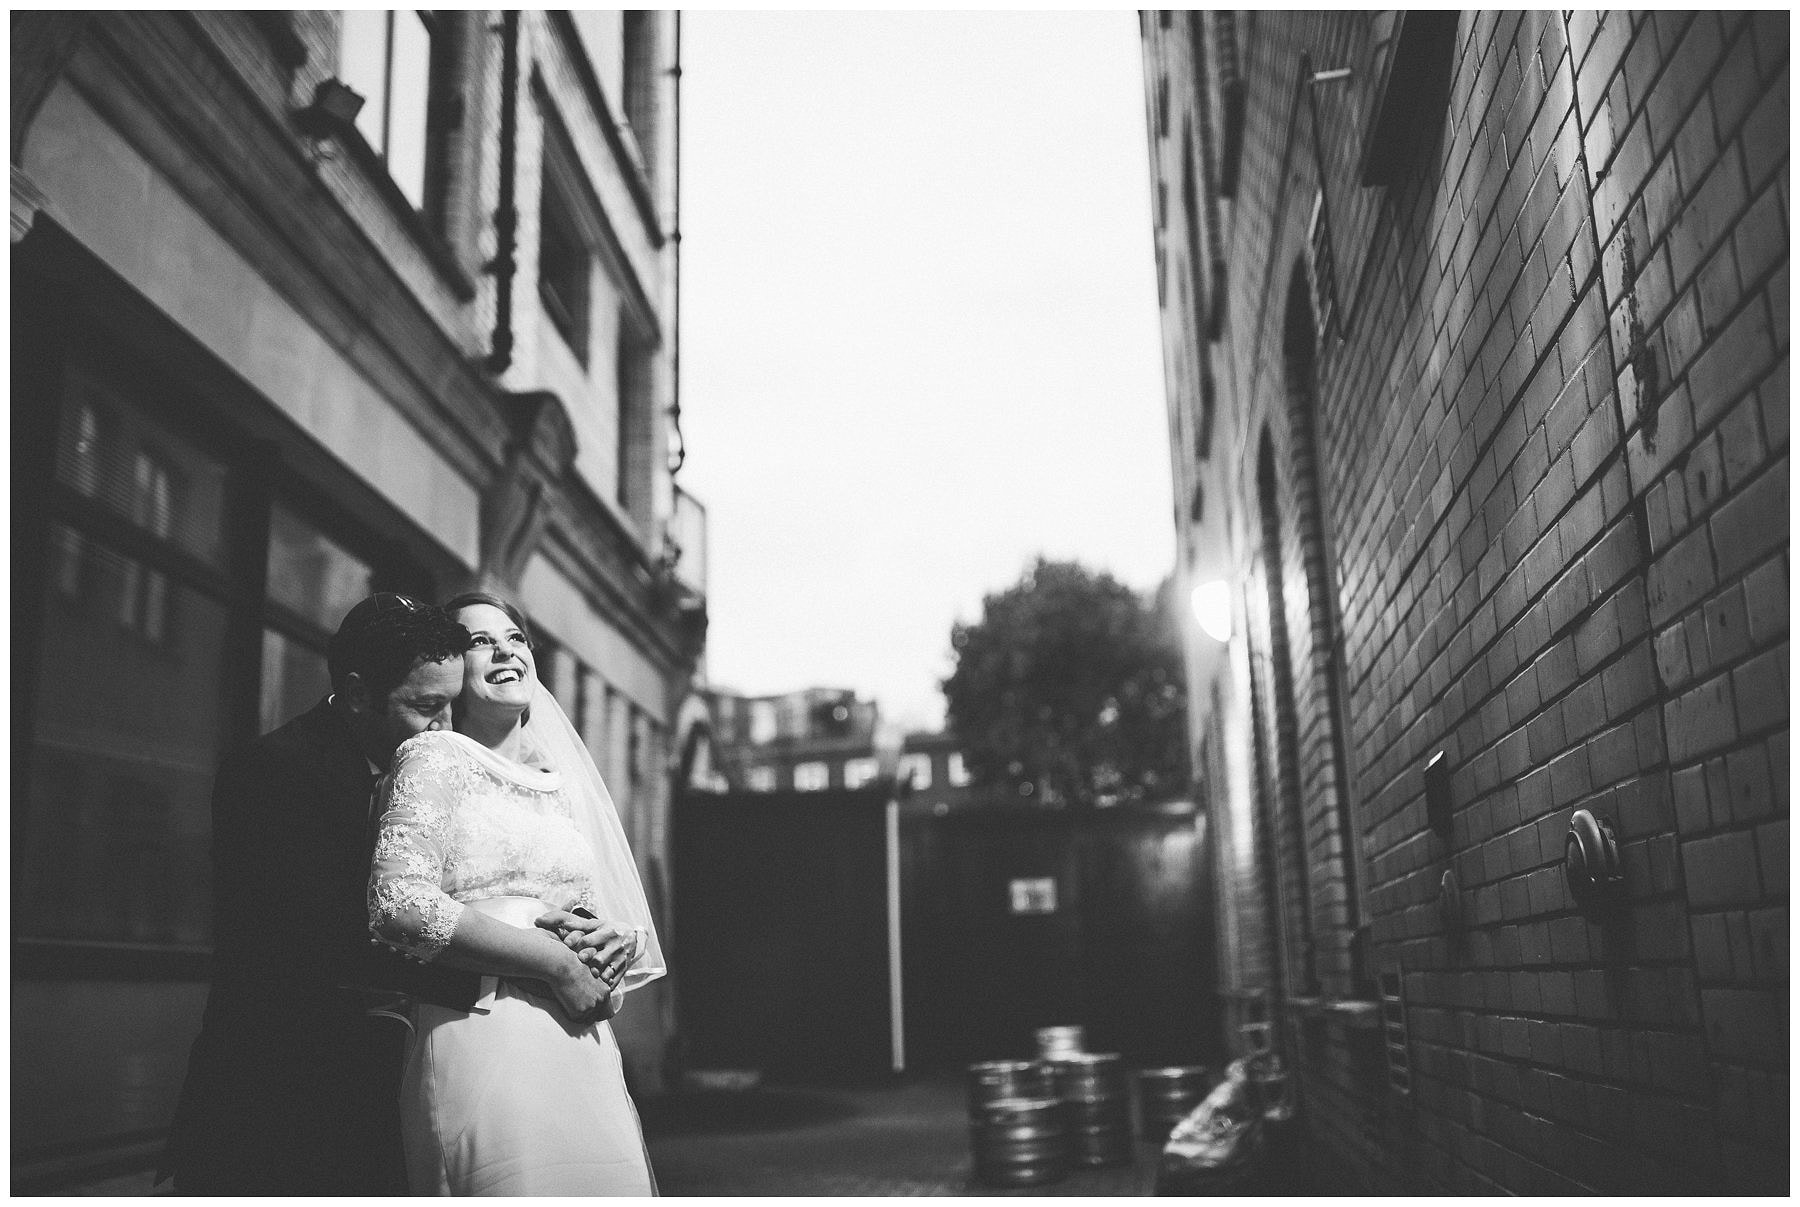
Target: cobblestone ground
{"type": "Point", "coordinates": [908, 1139]}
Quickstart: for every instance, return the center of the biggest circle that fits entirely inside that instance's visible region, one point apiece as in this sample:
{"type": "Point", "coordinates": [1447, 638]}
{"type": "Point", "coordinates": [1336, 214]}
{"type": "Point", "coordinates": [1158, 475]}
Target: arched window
{"type": "Point", "coordinates": [1318, 663]}
{"type": "Point", "coordinates": [1288, 831]}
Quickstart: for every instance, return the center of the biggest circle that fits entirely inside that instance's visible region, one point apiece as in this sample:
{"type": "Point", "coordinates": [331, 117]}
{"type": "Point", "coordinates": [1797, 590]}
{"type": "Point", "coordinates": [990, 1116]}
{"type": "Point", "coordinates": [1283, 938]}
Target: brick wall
{"type": "Point", "coordinates": [1552, 478]}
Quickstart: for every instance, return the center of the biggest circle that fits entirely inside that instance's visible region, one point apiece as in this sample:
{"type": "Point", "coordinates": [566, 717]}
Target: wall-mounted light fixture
{"type": "Point", "coordinates": [1211, 602]}
{"type": "Point", "coordinates": [332, 113]}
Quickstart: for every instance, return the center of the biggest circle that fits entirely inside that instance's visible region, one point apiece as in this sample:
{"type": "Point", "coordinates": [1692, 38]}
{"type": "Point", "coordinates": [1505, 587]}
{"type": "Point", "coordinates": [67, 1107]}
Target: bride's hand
{"type": "Point", "coordinates": [606, 948]}
{"type": "Point", "coordinates": [583, 995]}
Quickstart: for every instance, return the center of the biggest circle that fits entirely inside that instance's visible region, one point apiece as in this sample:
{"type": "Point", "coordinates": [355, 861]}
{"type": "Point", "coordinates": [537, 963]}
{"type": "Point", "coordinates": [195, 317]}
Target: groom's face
{"type": "Point", "coordinates": [420, 702]}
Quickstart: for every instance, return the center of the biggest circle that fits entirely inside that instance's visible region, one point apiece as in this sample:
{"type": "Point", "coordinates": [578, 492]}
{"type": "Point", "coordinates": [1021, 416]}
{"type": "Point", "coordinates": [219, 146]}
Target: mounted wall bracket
{"type": "Point", "coordinates": [1591, 859]}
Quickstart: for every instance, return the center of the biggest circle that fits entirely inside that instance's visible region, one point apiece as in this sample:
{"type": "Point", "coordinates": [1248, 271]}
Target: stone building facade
{"type": "Point", "coordinates": [1476, 339]}
{"type": "Point", "coordinates": [307, 304]}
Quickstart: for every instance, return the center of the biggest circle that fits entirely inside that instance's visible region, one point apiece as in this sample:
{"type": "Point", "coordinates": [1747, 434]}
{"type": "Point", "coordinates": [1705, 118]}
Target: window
{"type": "Point", "coordinates": [639, 84]}
{"type": "Point", "coordinates": [634, 423]}
{"type": "Point", "coordinates": [916, 770]}
{"type": "Point", "coordinates": [1190, 212]}
{"type": "Point", "coordinates": [1226, 79]}
{"type": "Point", "coordinates": [792, 716]}
{"type": "Point", "coordinates": [112, 836]}
{"type": "Point", "coordinates": [564, 264]}
{"type": "Point", "coordinates": [811, 777]}
{"type": "Point", "coordinates": [315, 580]}
{"type": "Point", "coordinates": [858, 772]}
{"type": "Point", "coordinates": [107, 456]}
{"type": "Point", "coordinates": [387, 57]}
{"type": "Point", "coordinates": [1209, 279]}
{"type": "Point", "coordinates": [80, 464]}
{"type": "Point", "coordinates": [133, 469]}
{"type": "Point", "coordinates": [763, 725]}
{"type": "Point", "coordinates": [312, 574]}
{"type": "Point", "coordinates": [760, 779]}
{"type": "Point", "coordinates": [1321, 269]}
{"type": "Point", "coordinates": [79, 467]}
{"type": "Point", "coordinates": [116, 833]}
{"type": "Point", "coordinates": [956, 773]}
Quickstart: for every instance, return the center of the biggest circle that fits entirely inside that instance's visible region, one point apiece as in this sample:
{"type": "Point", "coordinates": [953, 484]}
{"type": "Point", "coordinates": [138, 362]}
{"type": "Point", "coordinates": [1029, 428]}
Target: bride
{"type": "Point", "coordinates": [483, 830]}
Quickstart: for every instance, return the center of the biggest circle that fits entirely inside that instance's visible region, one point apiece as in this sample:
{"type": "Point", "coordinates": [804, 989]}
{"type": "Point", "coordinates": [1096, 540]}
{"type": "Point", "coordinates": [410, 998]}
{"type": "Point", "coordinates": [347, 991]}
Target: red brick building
{"type": "Point", "coordinates": [1476, 342]}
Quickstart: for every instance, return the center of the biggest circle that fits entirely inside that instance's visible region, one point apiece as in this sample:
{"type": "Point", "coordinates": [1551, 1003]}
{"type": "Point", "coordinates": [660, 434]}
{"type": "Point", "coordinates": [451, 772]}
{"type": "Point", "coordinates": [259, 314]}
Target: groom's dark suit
{"type": "Point", "coordinates": [292, 1088]}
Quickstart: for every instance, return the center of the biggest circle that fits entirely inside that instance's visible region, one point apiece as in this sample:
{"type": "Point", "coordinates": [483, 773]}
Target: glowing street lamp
{"type": "Point", "coordinates": [1212, 608]}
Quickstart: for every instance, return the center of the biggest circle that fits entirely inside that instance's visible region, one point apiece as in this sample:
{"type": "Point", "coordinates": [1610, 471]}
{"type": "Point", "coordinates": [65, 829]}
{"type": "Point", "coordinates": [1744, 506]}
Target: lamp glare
{"type": "Point", "coordinates": [1212, 608]}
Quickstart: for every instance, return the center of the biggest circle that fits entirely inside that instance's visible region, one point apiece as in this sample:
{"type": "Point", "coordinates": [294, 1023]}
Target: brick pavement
{"type": "Point", "coordinates": [910, 1138]}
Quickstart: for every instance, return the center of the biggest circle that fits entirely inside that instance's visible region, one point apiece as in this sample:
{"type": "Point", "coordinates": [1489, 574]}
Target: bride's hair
{"type": "Point", "coordinates": [469, 599]}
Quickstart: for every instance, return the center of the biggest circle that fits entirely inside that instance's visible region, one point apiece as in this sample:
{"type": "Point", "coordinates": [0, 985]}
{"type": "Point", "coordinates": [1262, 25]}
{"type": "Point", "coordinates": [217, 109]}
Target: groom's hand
{"type": "Point", "coordinates": [606, 949]}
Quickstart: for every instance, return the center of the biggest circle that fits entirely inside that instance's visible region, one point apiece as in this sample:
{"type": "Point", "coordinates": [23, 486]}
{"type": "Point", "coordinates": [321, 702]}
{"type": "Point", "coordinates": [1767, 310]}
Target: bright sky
{"type": "Point", "coordinates": [919, 338]}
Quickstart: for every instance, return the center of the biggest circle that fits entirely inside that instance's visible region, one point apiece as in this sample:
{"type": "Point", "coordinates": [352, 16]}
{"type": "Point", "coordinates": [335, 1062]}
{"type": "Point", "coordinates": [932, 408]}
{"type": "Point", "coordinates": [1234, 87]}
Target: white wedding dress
{"type": "Point", "coordinates": [510, 1098]}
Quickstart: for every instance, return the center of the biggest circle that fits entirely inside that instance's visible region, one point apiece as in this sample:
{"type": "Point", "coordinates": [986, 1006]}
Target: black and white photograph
{"type": "Point", "coordinates": [1076, 602]}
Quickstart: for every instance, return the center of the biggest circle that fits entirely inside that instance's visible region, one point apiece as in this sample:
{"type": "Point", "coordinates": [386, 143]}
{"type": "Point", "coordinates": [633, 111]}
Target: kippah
{"type": "Point", "coordinates": [359, 619]}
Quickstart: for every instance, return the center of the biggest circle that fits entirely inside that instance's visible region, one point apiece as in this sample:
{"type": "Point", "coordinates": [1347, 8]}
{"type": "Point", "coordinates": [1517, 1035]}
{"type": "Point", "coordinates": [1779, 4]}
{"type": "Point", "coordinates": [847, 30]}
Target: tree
{"type": "Point", "coordinates": [1069, 689]}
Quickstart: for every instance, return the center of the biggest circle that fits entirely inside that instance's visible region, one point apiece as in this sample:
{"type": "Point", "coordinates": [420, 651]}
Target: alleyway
{"type": "Point", "coordinates": [911, 1138]}
{"type": "Point", "coordinates": [908, 1139]}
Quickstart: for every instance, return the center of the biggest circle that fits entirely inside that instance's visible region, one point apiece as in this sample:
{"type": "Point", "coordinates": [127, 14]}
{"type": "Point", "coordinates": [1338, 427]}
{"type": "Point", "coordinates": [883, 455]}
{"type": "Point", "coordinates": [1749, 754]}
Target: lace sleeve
{"type": "Point", "coordinates": [408, 908]}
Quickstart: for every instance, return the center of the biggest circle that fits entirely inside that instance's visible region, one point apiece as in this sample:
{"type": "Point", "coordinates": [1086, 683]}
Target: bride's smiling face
{"type": "Point", "coordinates": [498, 671]}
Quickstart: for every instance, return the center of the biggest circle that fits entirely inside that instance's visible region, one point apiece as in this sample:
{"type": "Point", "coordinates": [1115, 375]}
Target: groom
{"type": "Point", "coordinates": [292, 1085]}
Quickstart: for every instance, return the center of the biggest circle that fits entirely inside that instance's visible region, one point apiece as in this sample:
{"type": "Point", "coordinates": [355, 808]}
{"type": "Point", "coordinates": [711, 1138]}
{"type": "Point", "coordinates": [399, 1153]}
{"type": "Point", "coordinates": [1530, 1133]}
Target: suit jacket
{"type": "Point", "coordinates": [292, 1088]}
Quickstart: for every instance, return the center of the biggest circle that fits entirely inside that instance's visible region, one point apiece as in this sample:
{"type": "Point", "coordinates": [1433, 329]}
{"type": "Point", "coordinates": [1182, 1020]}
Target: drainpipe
{"type": "Point", "coordinates": [505, 263]}
{"type": "Point", "coordinates": [679, 456]}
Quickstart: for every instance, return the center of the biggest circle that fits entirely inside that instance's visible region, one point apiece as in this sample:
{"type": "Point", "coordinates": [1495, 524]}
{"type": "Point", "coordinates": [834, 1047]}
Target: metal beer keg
{"type": "Point", "coordinates": [1055, 1042]}
{"type": "Point", "coordinates": [1092, 1088]}
{"type": "Point", "coordinates": [1020, 1141]}
{"type": "Point", "coordinates": [992, 1080]}
{"type": "Point", "coordinates": [1167, 1095]}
